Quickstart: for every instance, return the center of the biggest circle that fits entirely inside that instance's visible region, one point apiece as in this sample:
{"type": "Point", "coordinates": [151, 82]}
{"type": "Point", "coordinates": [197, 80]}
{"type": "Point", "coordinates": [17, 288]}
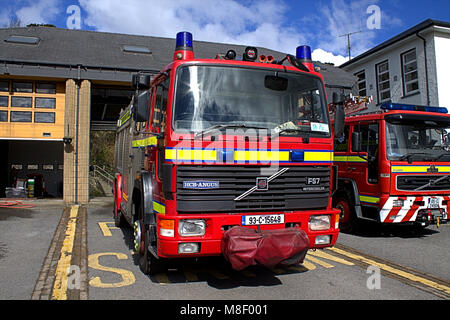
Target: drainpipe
{"type": "Point", "coordinates": [76, 131]}
{"type": "Point", "coordinates": [426, 66]}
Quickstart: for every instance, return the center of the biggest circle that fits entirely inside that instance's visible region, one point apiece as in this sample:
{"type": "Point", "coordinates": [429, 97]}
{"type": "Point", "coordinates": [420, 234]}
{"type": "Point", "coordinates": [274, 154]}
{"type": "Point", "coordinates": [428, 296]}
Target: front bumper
{"type": "Point", "coordinates": [218, 224]}
{"type": "Point", "coordinates": [414, 208]}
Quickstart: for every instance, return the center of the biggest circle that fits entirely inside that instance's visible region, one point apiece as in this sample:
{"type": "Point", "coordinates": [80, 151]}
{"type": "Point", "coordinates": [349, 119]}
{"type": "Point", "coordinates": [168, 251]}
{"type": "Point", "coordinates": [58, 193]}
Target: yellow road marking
{"type": "Point", "coordinates": [308, 265]}
{"type": "Point", "coordinates": [106, 230]}
{"type": "Point", "coordinates": [127, 276]}
{"type": "Point", "coordinates": [162, 278]}
{"type": "Point", "coordinates": [319, 262]}
{"type": "Point", "coordinates": [321, 254]}
{"type": "Point", "coordinates": [395, 271]}
{"type": "Point", "coordinates": [62, 269]}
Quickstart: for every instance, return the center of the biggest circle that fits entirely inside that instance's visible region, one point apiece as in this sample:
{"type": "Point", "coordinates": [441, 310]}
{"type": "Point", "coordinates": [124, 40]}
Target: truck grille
{"type": "Point", "coordinates": [413, 182]}
{"type": "Point", "coordinates": [289, 191]}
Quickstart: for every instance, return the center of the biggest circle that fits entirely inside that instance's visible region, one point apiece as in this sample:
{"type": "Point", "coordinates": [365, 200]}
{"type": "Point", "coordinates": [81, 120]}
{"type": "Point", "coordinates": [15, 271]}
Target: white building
{"type": "Point", "coordinates": [412, 67]}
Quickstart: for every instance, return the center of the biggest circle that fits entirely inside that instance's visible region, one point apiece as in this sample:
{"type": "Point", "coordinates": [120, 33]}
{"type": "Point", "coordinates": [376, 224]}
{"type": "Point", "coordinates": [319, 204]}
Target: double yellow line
{"type": "Point", "coordinates": [64, 262]}
{"type": "Point", "coordinates": [409, 276]}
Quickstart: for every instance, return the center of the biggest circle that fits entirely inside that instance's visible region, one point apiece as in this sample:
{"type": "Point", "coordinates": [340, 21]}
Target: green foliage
{"type": "Point", "coordinates": [102, 148]}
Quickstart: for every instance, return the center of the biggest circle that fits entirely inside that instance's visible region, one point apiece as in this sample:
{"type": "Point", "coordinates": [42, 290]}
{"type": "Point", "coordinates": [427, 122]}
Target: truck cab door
{"type": "Point", "coordinates": [364, 166]}
{"type": "Point", "coordinates": [159, 126]}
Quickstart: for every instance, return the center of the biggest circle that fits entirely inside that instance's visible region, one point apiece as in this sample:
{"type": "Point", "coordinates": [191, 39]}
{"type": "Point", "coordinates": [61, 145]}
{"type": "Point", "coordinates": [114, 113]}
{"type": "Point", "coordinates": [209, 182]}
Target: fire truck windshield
{"type": "Point", "coordinates": [231, 98]}
{"type": "Point", "coordinates": [417, 141]}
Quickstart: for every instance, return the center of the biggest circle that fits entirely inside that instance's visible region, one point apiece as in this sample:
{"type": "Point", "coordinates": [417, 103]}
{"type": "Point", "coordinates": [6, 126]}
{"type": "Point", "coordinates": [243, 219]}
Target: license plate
{"type": "Point", "coordinates": [433, 203]}
{"type": "Point", "coordinates": [262, 219]}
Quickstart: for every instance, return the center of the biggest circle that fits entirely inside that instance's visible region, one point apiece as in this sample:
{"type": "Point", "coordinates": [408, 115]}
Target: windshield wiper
{"type": "Point", "coordinates": [225, 126]}
{"type": "Point", "coordinates": [290, 130]}
{"type": "Point", "coordinates": [441, 156]}
{"type": "Point", "coordinates": [410, 155]}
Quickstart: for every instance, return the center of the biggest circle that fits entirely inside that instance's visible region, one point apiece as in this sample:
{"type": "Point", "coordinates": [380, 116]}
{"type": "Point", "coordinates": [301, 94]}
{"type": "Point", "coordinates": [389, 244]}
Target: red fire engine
{"type": "Point", "coordinates": [213, 145]}
{"type": "Point", "coordinates": [394, 166]}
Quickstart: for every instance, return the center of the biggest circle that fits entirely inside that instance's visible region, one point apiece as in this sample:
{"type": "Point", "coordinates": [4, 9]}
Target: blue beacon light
{"type": "Point", "coordinates": [184, 46]}
{"type": "Point", "coordinates": [184, 41]}
{"type": "Point", "coordinates": [304, 53]}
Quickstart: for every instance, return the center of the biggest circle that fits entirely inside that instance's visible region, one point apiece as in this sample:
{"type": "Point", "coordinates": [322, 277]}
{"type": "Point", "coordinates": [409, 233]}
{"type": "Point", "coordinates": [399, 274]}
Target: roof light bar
{"type": "Point", "coordinates": [389, 106]}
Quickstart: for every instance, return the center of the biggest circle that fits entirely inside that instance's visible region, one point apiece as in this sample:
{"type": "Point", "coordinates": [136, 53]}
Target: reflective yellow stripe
{"type": "Point", "coordinates": [264, 156]}
{"type": "Point", "coordinates": [418, 169]}
{"type": "Point", "coordinates": [191, 154]}
{"type": "Point", "coordinates": [344, 158]}
{"type": "Point", "coordinates": [147, 142]}
{"type": "Point", "coordinates": [245, 155]}
{"type": "Point", "coordinates": [159, 208]}
{"type": "Point", "coordinates": [124, 118]}
{"type": "Point", "coordinates": [369, 199]}
{"type": "Point", "coordinates": [312, 156]}
{"type": "Point", "coordinates": [340, 158]}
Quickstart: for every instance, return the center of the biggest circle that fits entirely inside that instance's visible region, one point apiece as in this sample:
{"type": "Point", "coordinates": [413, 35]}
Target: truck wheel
{"type": "Point", "coordinates": [147, 262]}
{"type": "Point", "coordinates": [347, 219]}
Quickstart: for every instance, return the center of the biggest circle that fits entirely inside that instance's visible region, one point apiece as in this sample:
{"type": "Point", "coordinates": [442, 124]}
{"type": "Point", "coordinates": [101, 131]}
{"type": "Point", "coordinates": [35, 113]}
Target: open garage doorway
{"type": "Point", "coordinates": [41, 161]}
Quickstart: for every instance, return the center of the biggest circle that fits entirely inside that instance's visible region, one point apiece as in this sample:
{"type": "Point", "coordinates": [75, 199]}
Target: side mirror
{"type": "Point", "coordinates": [338, 99]}
{"type": "Point", "coordinates": [356, 142]}
{"type": "Point", "coordinates": [141, 110]}
{"type": "Point", "coordinates": [339, 117]}
{"type": "Point", "coordinates": [140, 81]}
{"type": "Point", "coordinates": [339, 121]}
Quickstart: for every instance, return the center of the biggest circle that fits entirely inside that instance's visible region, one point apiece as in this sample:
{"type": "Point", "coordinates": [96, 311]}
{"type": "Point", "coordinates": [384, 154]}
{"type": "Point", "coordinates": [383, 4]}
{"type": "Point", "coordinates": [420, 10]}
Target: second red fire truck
{"type": "Point", "coordinates": [394, 166]}
{"type": "Point", "coordinates": [214, 152]}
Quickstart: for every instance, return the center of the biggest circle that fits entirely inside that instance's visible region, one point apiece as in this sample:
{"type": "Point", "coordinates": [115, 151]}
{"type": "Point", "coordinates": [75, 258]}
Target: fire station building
{"type": "Point", "coordinates": [59, 85]}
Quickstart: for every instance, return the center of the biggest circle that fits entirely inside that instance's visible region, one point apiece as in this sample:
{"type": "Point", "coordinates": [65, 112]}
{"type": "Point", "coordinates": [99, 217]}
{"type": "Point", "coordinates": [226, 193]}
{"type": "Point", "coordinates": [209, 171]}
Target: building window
{"type": "Point", "coordinates": [362, 90]}
{"type": "Point", "coordinates": [44, 117]}
{"type": "Point", "coordinates": [4, 101]}
{"type": "Point", "coordinates": [49, 103]}
{"type": "Point", "coordinates": [22, 102]}
{"type": "Point", "coordinates": [4, 86]}
{"type": "Point", "coordinates": [383, 82]}
{"type": "Point", "coordinates": [3, 116]}
{"type": "Point", "coordinates": [22, 87]}
{"type": "Point", "coordinates": [49, 88]}
{"type": "Point", "coordinates": [409, 71]}
{"type": "Point", "coordinates": [21, 116]}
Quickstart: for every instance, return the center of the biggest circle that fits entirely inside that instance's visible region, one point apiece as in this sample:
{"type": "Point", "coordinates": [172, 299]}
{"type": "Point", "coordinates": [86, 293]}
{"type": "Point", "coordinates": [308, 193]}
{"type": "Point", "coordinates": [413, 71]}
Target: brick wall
{"type": "Point", "coordinates": [70, 155]}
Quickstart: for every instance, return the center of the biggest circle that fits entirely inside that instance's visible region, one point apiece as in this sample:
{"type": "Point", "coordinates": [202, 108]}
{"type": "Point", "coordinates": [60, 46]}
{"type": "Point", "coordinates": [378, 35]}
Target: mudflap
{"type": "Point", "coordinates": [244, 247]}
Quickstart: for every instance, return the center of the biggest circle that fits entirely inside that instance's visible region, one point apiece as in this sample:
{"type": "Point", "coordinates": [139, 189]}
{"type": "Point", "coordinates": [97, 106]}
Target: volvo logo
{"type": "Point", "coordinates": [262, 184]}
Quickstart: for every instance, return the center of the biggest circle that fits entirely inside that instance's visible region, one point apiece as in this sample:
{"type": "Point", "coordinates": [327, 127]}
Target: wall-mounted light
{"type": "Point", "coordinates": [67, 140]}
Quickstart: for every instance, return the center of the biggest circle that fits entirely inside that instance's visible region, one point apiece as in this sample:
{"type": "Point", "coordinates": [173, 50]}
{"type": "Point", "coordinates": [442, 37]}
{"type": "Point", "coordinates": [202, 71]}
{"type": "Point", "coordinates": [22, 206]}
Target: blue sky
{"type": "Point", "coordinates": [276, 24]}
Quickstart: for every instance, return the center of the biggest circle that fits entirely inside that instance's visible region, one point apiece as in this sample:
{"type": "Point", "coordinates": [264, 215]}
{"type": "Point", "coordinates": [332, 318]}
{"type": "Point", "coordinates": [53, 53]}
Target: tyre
{"type": "Point", "coordinates": [347, 219]}
{"type": "Point", "coordinates": [148, 263]}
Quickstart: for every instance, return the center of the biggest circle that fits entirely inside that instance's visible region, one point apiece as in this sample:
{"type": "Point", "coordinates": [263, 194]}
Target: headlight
{"type": "Point", "coordinates": [191, 228]}
{"type": "Point", "coordinates": [398, 203]}
{"type": "Point", "coordinates": [317, 223]}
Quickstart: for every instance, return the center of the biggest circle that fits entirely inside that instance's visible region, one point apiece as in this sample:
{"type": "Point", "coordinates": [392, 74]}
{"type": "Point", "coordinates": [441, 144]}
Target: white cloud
{"type": "Point", "coordinates": [328, 57]}
{"type": "Point", "coordinates": [42, 11]}
{"type": "Point", "coordinates": [258, 23]}
{"type": "Point", "coordinates": [339, 17]}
